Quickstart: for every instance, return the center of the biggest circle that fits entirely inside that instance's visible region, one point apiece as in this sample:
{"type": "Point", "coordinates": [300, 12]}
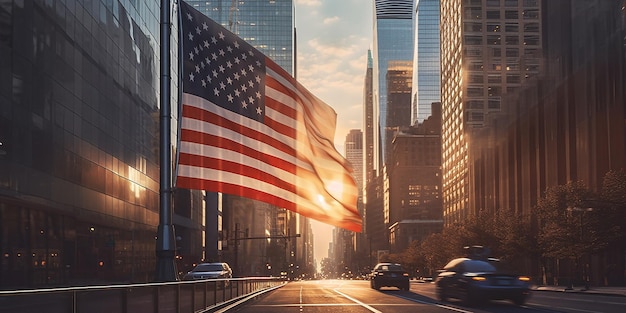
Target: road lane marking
{"type": "Point", "coordinates": [301, 299]}
{"type": "Point", "coordinates": [451, 308]}
{"type": "Point", "coordinates": [357, 301]}
{"type": "Point", "coordinates": [332, 304]}
{"type": "Point", "coordinates": [242, 299]}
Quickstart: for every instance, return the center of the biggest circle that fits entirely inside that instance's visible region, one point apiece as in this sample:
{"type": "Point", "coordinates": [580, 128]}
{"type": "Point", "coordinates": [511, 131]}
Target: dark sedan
{"type": "Point", "coordinates": [389, 275]}
{"type": "Point", "coordinates": [474, 281]}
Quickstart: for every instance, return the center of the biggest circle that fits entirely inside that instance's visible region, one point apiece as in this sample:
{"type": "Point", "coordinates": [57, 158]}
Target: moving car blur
{"type": "Point", "coordinates": [389, 275]}
{"type": "Point", "coordinates": [476, 279]}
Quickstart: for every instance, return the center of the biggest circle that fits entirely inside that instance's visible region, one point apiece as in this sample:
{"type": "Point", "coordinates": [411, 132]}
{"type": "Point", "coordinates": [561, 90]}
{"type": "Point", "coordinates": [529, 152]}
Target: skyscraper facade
{"type": "Point", "coordinates": [566, 126]}
{"type": "Point", "coordinates": [354, 154]}
{"type": "Point", "coordinates": [393, 41]}
{"type": "Point", "coordinates": [415, 209]}
{"type": "Point", "coordinates": [372, 212]}
{"type": "Point", "coordinates": [266, 25]}
{"type": "Point", "coordinates": [399, 84]}
{"type": "Point", "coordinates": [488, 48]}
{"type": "Point", "coordinates": [426, 60]}
{"type": "Point", "coordinates": [79, 144]}
{"type": "Point", "coordinates": [368, 122]}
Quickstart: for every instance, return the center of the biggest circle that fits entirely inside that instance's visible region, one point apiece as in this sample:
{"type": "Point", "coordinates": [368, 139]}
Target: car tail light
{"type": "Point", "coordinates": [524, 278]}
{"type": "Point", "coordinates": [479, 278]}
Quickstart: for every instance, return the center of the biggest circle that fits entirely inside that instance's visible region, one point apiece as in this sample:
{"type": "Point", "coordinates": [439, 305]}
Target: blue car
{"type": "Point", "coordinates": [474, 281]}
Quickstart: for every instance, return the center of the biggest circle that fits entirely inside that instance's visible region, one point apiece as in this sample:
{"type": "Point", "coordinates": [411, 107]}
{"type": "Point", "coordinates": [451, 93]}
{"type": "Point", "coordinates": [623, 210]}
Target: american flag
{"type": "Point", "coordinates": [250, 129]}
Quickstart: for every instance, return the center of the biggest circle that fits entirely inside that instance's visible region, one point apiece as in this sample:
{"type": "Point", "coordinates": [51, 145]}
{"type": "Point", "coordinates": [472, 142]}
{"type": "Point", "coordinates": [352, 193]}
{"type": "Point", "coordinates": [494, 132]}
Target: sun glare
{"type": "Point", "coordinates": [335, 188]}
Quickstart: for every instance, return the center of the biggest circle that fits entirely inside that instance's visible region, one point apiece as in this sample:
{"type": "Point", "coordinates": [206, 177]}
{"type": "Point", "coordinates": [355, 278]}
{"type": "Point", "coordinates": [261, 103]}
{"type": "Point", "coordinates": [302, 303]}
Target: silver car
{"type": "Point", "coordinates": [210, 271]}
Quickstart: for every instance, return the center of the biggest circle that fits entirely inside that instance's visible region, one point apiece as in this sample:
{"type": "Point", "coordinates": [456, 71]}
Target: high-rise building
{"type": "Point", "coordinates": [393, 41]}
{"type": "Point", "coordinates": [565, 126]}
{"type": "Point", "coordinates": [415, 205]}
{"type": "Point", "coordinates": [488, 48]}
{"type": "Point", "coordinates": [368, 124]}
{"type": "Point", "coordinates": [399, 84]}
{"type": "Point", "coordinates": [372, 210]}
{"type": "Point", "coordinates": [268, 26]}
{"type": "Point", "coordinates": [426, 71]}
{"type": "Point", "coordinates": [79, 144]}
{"type": "Point", "coordinates": [354, 154]}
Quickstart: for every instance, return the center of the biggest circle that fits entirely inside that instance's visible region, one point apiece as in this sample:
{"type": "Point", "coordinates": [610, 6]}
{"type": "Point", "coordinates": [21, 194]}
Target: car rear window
{"type": "Point", "coordinates": [478, 266]}
{"type": "Point", "coordinates": [391, 268]}
{"type": "Point", "coordinates": [208, 268]}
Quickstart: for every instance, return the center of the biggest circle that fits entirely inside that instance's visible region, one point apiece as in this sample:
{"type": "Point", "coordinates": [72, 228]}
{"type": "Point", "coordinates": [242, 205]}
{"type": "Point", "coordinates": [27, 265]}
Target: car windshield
{"type": "Point", "coordinates": [208, 268]}
{"type": "Point", "coordinates": [475, 266]}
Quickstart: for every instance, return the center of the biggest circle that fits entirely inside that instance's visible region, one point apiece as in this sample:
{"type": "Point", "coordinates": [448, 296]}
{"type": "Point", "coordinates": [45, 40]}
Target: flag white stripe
{"type": "Point", "coordinates": [229, 155]}
{"type": "Point", "coordinates": [201, 103]}
{"type": "Point", "coordinates": [303, 161]}
{"type": "Point", "coordinates": [206, 127]}
{"type": "Point", "coordinates": [236, 179]}
{"type": "Point", "coordinates": [212, 129]}
{"type": "Point", "coordinates": [328, 119]}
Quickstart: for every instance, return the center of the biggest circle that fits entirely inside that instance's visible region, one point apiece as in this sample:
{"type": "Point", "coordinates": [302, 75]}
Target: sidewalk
{"type": "Point", "coordinates": [613, 291]}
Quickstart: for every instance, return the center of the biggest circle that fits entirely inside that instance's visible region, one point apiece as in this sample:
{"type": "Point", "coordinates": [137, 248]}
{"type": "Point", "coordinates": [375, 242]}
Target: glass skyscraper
{"type": "Point", "coordinates": [426, 60]}
{"type": "Point", "coordinates": [266, 25]}
{"type": "Point", "coordinates": [79, 143]}
{"type": "Point", "coordinates": [393, 41]}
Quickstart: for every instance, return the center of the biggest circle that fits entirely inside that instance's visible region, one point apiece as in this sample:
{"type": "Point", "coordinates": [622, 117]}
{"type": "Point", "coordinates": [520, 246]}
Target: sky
{"type": "Point", "coordinates": [332, 42]}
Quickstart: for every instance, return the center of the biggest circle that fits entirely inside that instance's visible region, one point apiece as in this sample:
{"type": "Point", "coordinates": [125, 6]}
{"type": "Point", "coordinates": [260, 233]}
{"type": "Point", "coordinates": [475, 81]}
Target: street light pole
{"type": "Point", "coordinates": [165, 243]}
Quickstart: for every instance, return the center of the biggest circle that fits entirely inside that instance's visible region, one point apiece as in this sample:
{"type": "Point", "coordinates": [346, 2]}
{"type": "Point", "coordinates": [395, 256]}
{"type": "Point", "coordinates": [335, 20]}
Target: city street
{"type": "Point", "coordinates": [356, 296]}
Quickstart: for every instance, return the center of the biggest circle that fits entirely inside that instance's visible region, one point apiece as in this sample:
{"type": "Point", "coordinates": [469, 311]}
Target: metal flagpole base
{"type": "Point", "coordinates": [166, 252]}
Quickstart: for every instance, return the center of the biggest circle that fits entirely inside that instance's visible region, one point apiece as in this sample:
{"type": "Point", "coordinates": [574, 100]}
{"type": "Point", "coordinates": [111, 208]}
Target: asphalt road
{"type": "Point", "coordinates": [354, 296]}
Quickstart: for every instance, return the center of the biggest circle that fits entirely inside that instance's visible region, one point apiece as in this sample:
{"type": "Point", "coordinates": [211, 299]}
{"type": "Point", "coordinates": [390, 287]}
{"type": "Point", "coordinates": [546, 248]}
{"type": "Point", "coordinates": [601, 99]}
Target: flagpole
{"type": "Point", "coordinates": [165, 244]}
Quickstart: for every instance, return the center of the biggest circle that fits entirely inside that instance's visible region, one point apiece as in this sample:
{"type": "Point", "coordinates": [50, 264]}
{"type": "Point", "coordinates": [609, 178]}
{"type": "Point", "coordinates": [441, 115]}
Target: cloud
{"type": "Point", "coordinates": [334, 71]}
{"type": "Point", "coordinates": [309, 3]}
{"type": "Point", "coordinates": [333, 39]}
{"type": "Point", "coordinates": [331, 20]}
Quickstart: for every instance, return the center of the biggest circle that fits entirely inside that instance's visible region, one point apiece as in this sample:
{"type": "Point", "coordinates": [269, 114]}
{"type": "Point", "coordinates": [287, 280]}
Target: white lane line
{"type": "Point", "coordinates": [333, 305]}
{"type": "Point", "coordinates": [301, 299]}
{"type": "Point", "coordinates": [357, 301]}
{"type": "Point", "coordinates": [451, 308]}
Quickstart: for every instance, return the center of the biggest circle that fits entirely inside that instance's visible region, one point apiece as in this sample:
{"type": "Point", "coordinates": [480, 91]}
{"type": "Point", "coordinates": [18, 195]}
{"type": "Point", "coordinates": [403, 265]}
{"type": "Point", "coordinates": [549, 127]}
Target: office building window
{"type": "Point", "coordinates": [493, 15]}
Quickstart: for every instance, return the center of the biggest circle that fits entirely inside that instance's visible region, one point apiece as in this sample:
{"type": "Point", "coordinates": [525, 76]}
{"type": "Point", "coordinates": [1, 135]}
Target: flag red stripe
{"type": "Point", "coordinates": [314, 114]}
{"type": "Point", "coordinates": [237, 168]}
{"type": "Point", "coordinates": [202, 184]}
{"type": "Point", "coordinates": [211, 118]}
{"type": "Point", "coordinates": [276, 125]}
{"type": "Point", "coordinates": [224, 143]}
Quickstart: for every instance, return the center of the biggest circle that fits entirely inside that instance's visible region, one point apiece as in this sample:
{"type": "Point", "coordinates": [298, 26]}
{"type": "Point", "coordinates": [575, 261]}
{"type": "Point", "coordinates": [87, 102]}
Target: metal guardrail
{"type": "Point", "coordinates": [171, 297]}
